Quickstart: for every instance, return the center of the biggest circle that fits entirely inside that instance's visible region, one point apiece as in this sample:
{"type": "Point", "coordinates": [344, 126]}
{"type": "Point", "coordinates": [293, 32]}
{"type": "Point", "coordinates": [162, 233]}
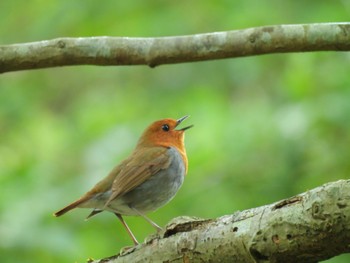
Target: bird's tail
{"type": "Point", "coordinates": [71, 206]}
{"type": "Point", "coordinates": [93, 213]}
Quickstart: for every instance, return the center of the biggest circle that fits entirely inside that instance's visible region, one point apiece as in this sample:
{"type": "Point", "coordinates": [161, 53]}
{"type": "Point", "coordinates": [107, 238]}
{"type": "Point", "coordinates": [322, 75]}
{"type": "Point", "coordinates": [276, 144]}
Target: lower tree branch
{"type": "Point", "coordinates": [309, 227]}
{"type": "Point", "coordinates": [156, 51]}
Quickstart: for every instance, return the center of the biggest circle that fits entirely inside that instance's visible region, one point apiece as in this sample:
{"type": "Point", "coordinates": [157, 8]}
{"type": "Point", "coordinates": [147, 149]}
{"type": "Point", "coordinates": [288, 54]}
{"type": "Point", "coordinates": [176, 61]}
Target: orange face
{"type": "Point", "coordinates": [164, 133]}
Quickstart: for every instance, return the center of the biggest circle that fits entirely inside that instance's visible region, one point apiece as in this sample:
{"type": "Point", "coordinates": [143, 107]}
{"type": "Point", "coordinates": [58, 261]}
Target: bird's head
{"type": "Point", "coordinates": [164, 133]}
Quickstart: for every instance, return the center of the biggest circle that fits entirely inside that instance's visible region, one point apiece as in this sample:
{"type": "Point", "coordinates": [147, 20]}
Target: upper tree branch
{"type": "Point", "coordinates": [105, 51]}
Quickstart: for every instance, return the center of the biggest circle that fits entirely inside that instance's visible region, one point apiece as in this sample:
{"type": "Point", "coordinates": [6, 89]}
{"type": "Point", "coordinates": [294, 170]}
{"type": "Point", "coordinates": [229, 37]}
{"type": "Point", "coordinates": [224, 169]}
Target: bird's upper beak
{"type": "Point", "coordinates": [181, 120]}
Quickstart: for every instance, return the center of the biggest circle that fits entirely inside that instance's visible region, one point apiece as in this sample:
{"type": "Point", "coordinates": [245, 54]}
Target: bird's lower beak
{"type": "Point", "coordinates": [181, 120]}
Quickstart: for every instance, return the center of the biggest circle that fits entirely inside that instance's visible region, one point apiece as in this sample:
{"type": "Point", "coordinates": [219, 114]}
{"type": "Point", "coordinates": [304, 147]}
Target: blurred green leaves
{"type": "Point", "coordinates": [266, 127]}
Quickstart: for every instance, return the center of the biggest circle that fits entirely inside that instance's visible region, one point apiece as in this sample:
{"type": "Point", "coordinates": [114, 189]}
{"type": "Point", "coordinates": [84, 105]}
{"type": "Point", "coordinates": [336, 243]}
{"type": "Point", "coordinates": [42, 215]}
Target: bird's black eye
{"type": "Point", "coordinates": [165, 127]}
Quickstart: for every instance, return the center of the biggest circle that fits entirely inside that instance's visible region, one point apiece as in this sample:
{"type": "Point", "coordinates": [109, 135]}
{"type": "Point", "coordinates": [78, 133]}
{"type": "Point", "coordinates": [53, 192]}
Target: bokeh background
{"type": "Point", "coordinates": [266, 127]}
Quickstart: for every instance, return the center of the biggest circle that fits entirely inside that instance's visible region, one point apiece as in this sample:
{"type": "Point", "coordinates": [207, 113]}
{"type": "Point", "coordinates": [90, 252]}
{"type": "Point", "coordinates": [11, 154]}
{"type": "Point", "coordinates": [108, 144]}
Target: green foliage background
{"type": "Point", "coordinates": [266, 127]}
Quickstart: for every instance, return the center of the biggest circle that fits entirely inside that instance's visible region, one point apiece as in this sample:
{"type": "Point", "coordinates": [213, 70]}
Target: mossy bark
{"type": "Point", "coordinates": [309, 227]}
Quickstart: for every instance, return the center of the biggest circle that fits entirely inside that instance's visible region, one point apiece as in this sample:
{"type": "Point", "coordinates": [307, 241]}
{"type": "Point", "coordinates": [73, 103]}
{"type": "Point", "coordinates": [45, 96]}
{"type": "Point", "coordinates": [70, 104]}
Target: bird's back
{"type": "Point", "coordinates": [158, 190]}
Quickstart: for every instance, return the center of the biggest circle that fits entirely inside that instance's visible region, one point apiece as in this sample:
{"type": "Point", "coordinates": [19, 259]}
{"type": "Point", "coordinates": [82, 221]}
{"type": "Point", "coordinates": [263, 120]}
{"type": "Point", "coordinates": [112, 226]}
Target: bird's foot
{"type": "Point", "coordinates": [127, 250]}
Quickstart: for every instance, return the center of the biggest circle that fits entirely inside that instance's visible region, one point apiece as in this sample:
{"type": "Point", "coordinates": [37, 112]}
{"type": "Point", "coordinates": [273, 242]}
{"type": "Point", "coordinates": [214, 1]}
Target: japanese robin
{"type": "Point", "coordinates": [146, 180]}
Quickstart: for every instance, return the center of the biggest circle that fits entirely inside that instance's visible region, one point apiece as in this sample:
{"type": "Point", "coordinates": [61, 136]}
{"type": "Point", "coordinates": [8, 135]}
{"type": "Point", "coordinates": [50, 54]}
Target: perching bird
{"type": "Point", "coordinates": [146, 180]}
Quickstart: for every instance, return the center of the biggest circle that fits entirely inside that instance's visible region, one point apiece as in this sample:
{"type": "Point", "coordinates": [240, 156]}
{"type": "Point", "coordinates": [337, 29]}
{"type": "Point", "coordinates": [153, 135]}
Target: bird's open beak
{"type": "Point", "coordinates": [181, 120]}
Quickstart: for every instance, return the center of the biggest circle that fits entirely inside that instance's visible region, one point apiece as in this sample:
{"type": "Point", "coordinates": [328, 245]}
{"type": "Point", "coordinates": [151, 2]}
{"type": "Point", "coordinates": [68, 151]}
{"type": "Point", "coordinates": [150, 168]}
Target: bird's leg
{"type": "Point", "coordinates": [158, 228]}
{"type": "Point", "coordinates": [127, 228]}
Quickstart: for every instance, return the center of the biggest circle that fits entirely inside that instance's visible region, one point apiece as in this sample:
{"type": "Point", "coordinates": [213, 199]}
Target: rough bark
{"type": "Point", "coordinates": [309, 227]}
{"type": "Point", "coordinates": [105, 51]}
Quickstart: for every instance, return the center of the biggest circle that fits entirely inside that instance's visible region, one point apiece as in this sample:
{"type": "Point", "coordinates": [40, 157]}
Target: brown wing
{"type": "Point", "coordinates": [139, 167]}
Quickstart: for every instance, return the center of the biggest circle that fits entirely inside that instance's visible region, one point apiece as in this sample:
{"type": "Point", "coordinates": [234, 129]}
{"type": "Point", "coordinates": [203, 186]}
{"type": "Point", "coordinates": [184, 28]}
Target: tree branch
{"type": "Point", "coordinates": [309, 227]}
{"type": "Point", "coordinates": [106, 51]}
